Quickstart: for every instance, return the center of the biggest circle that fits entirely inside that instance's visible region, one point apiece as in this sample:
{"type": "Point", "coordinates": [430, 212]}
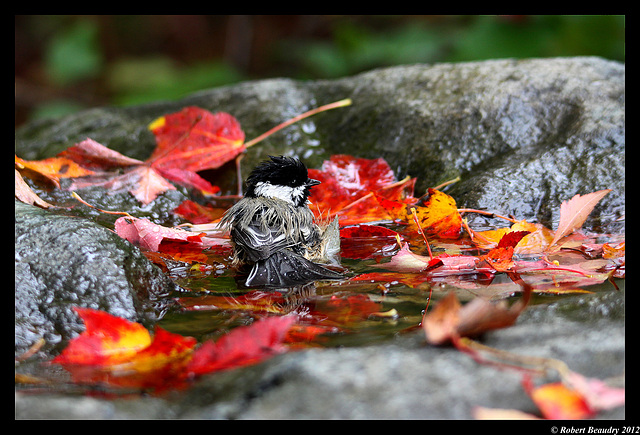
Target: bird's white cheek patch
{"type": "Point", "coordinates": [284, 193]}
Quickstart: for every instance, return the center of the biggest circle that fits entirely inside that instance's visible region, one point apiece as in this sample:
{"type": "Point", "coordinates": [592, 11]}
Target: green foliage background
{"type": "Point", "coordinates": [65, 63]}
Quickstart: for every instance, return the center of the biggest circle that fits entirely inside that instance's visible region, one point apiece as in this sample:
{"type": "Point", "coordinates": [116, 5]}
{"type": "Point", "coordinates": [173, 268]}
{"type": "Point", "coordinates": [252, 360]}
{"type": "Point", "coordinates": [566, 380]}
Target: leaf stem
{"type": "Point", "coordinates": [77, 197]}
{"type": "Point", "coordinates": [341, 103]}
{"type": "Point", "coordinates": [446, 183]}
{"type": "Point", "coordinates": [486, 213]}
{"type": "Point", "coordinates": [421, 231]}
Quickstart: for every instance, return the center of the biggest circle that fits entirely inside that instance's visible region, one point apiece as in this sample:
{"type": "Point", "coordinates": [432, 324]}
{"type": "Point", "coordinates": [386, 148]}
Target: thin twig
{"type": "Point", "coordinates": [486, 213]}
{"type": "Point", "coordinates": [295, 119]}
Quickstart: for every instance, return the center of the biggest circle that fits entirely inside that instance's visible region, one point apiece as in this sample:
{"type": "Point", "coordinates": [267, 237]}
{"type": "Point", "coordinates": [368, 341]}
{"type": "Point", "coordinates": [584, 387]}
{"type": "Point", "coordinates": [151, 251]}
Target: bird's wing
{"type": "Point", "coordinates": [258, 240]}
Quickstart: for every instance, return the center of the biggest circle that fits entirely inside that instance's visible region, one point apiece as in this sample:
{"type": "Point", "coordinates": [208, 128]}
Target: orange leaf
{"type": "Point", "coordinates": [166, 348]}
{"type": "Point", "coordinates": [53, 168]}
{"type": "Point", "coordinates": [24, 193]}
{"type": "Point", "coordinates": [438, 216]}
{"type": "Point", "coordinates": [501, 257]}
{"type": "Point", "coordinates": [558, 402]}
{"type": "Point", "coordinates": [117, 352]}
{"type": "Point", "coordinates": [611, 251]}
{"type": "Point", "coordinates": [535, 242]}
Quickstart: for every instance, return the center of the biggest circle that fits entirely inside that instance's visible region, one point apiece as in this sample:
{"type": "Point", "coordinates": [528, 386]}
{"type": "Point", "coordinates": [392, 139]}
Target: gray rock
{"type": "Point", "coordinates": [62, 262]}
{"type": "Point", "coordinates": [523, 135]}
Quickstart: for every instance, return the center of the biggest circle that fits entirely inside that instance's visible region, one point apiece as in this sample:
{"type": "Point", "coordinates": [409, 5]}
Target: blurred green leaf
{"type": "Point", "coordinates": [74, 54]}
{"type": "Point", "coordinates": [491, 37]}
{"type": "Point", "coordinates": [141, 80]}
{"type": "Point", "coordinates": [56, 109]}
{"type": "Point", "coordinates": [355, 48]}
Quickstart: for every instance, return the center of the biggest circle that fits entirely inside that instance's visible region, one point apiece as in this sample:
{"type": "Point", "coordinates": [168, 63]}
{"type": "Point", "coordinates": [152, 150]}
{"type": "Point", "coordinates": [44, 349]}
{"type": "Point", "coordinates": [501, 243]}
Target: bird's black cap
{"type": "Point", "coordinates": [282, 171]}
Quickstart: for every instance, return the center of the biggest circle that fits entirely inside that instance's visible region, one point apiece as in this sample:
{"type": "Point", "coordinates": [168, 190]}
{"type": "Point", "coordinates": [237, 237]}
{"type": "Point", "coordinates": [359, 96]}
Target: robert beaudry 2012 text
{"type": "Point", "coordinates": [589, 429]}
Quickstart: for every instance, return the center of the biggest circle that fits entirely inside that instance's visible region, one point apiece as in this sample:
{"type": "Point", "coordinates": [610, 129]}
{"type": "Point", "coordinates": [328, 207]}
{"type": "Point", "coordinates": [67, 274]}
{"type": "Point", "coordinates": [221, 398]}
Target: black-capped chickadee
{"type": "Point", "coordinates": [272, 227]}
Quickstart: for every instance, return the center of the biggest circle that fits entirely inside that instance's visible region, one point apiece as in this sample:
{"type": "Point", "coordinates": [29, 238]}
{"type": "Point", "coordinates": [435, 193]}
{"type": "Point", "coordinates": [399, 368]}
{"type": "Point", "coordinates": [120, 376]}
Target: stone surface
{"type": "Point", "coordinates": [522, 135]}
{"type": "Point", "coordinates": [63, 261]}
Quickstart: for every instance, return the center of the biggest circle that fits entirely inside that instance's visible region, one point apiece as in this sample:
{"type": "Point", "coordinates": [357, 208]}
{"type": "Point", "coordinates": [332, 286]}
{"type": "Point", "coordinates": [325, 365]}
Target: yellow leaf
{"type": "Point", "coordinates": [157, 123]}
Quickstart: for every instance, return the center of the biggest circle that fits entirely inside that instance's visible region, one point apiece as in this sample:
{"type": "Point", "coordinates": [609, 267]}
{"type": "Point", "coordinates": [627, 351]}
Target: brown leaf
{"type": "Point", "coordinates": [449, 320]}
{"type": "Point", "coordinates": [26, 195]}
{"type": "Point", "coordinates": [441, 323]}
{"type": "Point", "coordinates": [574, 213]}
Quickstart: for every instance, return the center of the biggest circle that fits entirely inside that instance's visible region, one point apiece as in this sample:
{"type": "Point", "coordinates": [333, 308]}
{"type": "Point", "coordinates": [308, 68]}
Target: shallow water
{"type": "Point", "coordinates": [350, 312]}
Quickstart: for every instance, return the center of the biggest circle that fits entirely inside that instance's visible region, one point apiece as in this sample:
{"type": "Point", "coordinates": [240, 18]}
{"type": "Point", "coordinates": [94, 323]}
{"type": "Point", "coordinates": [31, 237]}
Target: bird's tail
{"type": "Point", "coordinates": [285, 269]}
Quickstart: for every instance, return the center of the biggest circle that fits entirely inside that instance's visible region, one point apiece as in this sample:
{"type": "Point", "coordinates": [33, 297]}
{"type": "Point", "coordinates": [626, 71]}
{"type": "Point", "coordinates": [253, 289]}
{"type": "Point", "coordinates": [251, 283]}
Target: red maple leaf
{"type": "Point", "coordinates": [348, 185]}
{"type": "Point", "coordinates": [188, 141]}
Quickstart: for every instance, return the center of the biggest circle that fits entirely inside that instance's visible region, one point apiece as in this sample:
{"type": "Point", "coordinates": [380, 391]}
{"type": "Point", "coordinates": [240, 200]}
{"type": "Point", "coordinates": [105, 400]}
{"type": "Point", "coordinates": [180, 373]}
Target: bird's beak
{"type": "Point", "coordinates": [311, 182]}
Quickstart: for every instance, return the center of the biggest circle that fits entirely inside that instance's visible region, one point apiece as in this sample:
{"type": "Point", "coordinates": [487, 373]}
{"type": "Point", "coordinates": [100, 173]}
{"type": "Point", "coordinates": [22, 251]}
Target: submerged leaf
{"type": "Point", "coordinates": [242, 346]}
{"type": "Point", "coordinates": [107, 340]}
{"type": "Point", "coordinates": [367, 241]}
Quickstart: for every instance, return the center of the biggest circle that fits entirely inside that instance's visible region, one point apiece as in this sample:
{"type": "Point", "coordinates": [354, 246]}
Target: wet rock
{"type": "Point", "coordinates": [522, 135]}
{"type": "Point", "coordinates": [62, 262]}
